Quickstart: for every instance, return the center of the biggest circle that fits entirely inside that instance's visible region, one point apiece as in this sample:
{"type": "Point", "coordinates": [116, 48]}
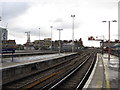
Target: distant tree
{"type": "Point", "coordinates": [80, 39]}
{"type": "Point", "coordinates": [70, 41]}
{"type": "Point", "coordinates": [117, 41]}
{"type": "Point", "coordinates": [65, 41]}
{"type": "Point", "coordinates": [36, 47]}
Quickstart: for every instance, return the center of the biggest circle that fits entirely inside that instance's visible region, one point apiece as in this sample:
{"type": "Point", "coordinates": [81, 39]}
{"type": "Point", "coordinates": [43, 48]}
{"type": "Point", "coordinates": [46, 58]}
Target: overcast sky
{"type": "Point", "coordinates": [30, 15]}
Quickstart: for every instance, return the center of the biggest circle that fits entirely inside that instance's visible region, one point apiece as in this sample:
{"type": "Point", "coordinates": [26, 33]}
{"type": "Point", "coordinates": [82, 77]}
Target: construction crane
{"type": "Point", "coordinates": [28, 37]}
{"type": "Point", "coordinates": [28, 40]}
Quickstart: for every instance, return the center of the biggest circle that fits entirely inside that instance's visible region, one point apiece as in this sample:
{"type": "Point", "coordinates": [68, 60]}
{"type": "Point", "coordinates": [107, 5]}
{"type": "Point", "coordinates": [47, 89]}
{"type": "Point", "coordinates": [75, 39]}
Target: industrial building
{"type": "Point", "coordinates": [3, 34]}
{"type": "Point", "coordinates": [5, 44]}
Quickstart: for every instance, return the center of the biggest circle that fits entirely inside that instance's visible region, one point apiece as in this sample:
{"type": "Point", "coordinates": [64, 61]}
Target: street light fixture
{"type": "Point", "coordinates": [59, 40]}
{"type": "Point", "coordinates": [73, 33]}
{"type": "Point", "coordinates": [109, 37]}
{"type": "Point", "coordinates": [114, 21]}
{"type": "Point", "coordinates": [51, 36]}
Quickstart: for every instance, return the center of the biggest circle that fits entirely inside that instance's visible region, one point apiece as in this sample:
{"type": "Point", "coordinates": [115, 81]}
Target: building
{"type": "Point", "coordinates": [47, 44]}
{"type": "Point", "coordinates": [66, 46]}
{"type": "Point", "coordinates": [114, 45]}
{"type": "Point", "coordinates": [3, 34]}
{"type": "Point", "coordinates": [42, 44]}
{"type": "Point", "coordinates": [19, 47]}
{"type": "Point", "coordinates": [38, 44]}
{"type": "Point", "coordinates": [55, 45]}
{"type": "Point", "coordinates": [8, 44]}
{"type": "Point", "coordinates": [28, 46]}
{"type": "Point", "coordinates": [105, 44]}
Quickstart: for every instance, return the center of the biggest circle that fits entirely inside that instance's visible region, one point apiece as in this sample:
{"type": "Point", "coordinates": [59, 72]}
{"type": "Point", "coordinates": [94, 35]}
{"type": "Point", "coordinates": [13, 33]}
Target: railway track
{"type": "Point", "coordinates": [51, 77]}
{"type": "Point", "coordinates": [77, 78]}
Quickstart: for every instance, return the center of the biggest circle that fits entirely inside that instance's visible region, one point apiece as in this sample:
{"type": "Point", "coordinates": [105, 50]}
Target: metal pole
{"type": "Point", "coordinates": [103, 45]}
{"type": "Point", "coordinates": [12, 56]}
{"type": "Point", "coordinates": [39, 34]}
{"type": "Point", "coordinates": [59, 40]}
{"type": "Point", "coordinates": [51, 36]}
{"type": "Point", "coordinates": [27, 42]}
{"type": "Point", "coordinates": [109, 42]}
{"type": "Point", "coordinates": [73, 37]}
{"type": "Point", "coordinates": [109, 37]}
{"type": "Point", "coordinates": [59, 43]}
{"type": "Point", "coordinates": [39, 38]}
{"type": "Point", "coordinates": [73, 33]}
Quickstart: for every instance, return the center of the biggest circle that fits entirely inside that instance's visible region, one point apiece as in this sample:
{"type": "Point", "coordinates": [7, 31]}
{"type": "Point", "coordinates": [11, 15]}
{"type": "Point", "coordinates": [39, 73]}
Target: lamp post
{"type": "Point", "coordinates": [73, 33]}
{"type": "Point", "coordinates": [39, 38]}
{"type": "Point", "coordinates": [39, 33]}
{"type": "Point", "coordinates": [102, 41]}
{"type": "Point", "coordinates": [109, 37]}
{"type": "Point", "coordinates": [59, 40]}
{"type": "Point", "coordinates": [51, 36]}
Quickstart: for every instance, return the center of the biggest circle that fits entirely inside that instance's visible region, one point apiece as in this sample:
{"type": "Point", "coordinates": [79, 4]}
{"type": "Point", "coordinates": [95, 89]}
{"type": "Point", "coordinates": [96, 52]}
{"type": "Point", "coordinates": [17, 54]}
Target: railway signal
{"type": "Point", "coordinates": [93, 39]}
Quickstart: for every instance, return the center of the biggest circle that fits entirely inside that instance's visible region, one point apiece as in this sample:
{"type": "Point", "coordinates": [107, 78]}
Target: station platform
{"type": "Point", "coordinates": [22, 67]}
{"type": "Point", "coordinates": [17, 61]}
{"type": "Point", "coordinates": [105, 74]}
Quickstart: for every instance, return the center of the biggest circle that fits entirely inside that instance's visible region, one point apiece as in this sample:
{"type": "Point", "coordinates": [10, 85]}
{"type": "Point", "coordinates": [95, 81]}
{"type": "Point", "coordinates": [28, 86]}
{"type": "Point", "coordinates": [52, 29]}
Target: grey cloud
{"type": "Point", "coordinates": [58, 20]}
{"type": "Point", "coordinates": [13, 9]}
{"type": "Point", "coordinates": [108, 4]}
{"type": "Point", "coordinates": [19, 32]}
{"type": "Point", "coordinates": [43, 33]}
{"type": "Point", "coordinates": [33, 32]}
{"type": "Point", "coordinates": [68, 25]}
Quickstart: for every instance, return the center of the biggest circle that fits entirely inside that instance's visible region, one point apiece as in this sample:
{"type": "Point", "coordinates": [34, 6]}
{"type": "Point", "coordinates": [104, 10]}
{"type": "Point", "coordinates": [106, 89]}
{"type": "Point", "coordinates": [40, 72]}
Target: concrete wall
{"type": "Point", "coordinates": [15, 73]}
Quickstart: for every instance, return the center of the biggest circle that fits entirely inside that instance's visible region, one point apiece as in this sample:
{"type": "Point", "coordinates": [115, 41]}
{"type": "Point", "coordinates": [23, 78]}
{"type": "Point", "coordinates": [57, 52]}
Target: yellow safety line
{"type": "Point", "coordinates": [37, 82]}
{"type": "Point", "coordinates": [106, 76]}
{"type": "Point", "coordinates": [107, 79]}
{"type": "Point", "coordinates": [99, 83]}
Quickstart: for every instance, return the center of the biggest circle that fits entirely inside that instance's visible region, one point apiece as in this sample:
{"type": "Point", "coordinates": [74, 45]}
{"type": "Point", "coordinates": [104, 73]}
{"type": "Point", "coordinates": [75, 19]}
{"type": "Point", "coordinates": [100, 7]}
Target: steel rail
{"type": "Point", "coordinates": [82, 82]}
{"type": "Point", "coordinates": [35, 82]}
{"type": "Point", "coordinates": [67, 60]}
{"type": "Point", "coordinates": [52, 74]}
{"type": "Point", "coordinates": [70, 73]}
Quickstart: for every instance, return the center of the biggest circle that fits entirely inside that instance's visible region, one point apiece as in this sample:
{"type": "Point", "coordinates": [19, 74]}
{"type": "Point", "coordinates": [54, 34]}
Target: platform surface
{"type": "Point", "coordinates": [105, 73]}
{"type": "Point", "coordinates": [17, 61]}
